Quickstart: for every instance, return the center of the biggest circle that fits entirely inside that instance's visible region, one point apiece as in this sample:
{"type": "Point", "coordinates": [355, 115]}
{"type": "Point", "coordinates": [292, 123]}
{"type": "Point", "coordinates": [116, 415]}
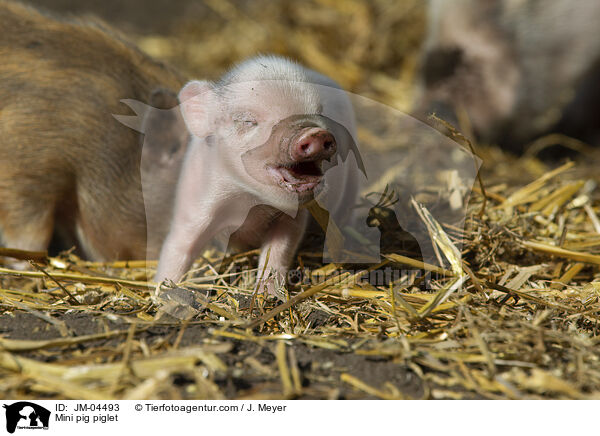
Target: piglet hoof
{"type": "Point", "coordinates": [161, 287]}
{"type": "Point", "coordinates": [273, 285]}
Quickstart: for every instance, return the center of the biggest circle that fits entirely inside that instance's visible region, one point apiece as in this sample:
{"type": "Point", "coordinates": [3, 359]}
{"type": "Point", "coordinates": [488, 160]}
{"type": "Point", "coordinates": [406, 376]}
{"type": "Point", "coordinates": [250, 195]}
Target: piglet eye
{"type": "Point", "coordinates": [245, 120]}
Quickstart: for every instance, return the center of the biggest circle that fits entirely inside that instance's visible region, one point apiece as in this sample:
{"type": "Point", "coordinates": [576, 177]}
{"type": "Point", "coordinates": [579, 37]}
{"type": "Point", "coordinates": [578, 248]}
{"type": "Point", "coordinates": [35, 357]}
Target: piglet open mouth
{"type": "Point", "coordinates": [298, 177]}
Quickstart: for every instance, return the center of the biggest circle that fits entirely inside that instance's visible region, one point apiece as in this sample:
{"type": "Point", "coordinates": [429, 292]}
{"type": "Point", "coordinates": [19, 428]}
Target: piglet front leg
{"type": "Point", "coordinates": [181, 247]}
{"type": "Point", "coordinates": [277, 252]}
{"type": "Point", "coordinates": [195, 218]}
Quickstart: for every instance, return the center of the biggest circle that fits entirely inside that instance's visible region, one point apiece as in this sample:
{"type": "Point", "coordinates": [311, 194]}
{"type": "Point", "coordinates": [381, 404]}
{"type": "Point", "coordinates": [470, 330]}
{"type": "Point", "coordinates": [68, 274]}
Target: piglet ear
{"type": "Point", "coordinates": [196, 98]}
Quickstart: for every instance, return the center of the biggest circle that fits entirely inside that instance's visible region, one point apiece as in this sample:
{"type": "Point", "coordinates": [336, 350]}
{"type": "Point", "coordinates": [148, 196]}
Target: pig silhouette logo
{"type": "Point", "coordinates": [393, 237]}
{"type": "Point", "coordinates": [246, 161]}
{"type": "Point", "coordinates": [26, 415]}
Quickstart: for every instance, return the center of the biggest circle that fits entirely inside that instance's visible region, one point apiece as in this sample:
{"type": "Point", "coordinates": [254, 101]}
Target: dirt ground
{"type": "Point", "coordinates": [320, 366]}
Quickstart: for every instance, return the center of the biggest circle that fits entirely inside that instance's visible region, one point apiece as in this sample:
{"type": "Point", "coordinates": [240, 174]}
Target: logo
{"type": "Point", "coordinates": [26, 415]}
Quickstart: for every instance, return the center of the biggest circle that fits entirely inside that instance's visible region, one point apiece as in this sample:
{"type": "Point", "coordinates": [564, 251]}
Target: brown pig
{"type": "Point", "coordinates": [516, 68]}
{"type": "Point", "coordinates": [69, 168]}
{"type": "Point", "coordinates": [264, 138]}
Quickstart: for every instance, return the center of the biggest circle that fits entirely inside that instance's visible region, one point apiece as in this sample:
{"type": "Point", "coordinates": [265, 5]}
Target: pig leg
{"type": "Point", "coordinates": [25, 227]}
{"type": "Point", "coordinates": [182, 245]}
{"type": "Point", "coordinates": [193, 223]}
{"type": "Point", "coordinates": [278, 251]}
{"type": "Point", "coordinates": [192, 229]}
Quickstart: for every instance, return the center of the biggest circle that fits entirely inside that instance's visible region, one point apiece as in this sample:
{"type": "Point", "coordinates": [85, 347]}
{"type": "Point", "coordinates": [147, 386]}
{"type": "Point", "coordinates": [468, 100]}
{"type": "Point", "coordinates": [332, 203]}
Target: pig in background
{"type": "Point", "coordinates": [69, 171]}
{"type": "Point", "coordinates": [517, 68]}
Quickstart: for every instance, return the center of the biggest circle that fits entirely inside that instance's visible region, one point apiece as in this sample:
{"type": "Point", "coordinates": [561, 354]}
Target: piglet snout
{"type": "Point", "coordinates": [313, 144]}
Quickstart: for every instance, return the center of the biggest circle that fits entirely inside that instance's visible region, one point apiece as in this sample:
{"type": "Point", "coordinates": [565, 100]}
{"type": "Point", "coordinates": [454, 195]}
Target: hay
{"type": "Point", "coordinates": [522, 325]}
{"type": "Point", "coordinates": [516, 317]}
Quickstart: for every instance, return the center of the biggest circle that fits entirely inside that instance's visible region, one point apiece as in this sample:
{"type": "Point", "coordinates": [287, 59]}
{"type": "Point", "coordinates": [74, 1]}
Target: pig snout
{"type": "Point", "coordinates": [313, 144]}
